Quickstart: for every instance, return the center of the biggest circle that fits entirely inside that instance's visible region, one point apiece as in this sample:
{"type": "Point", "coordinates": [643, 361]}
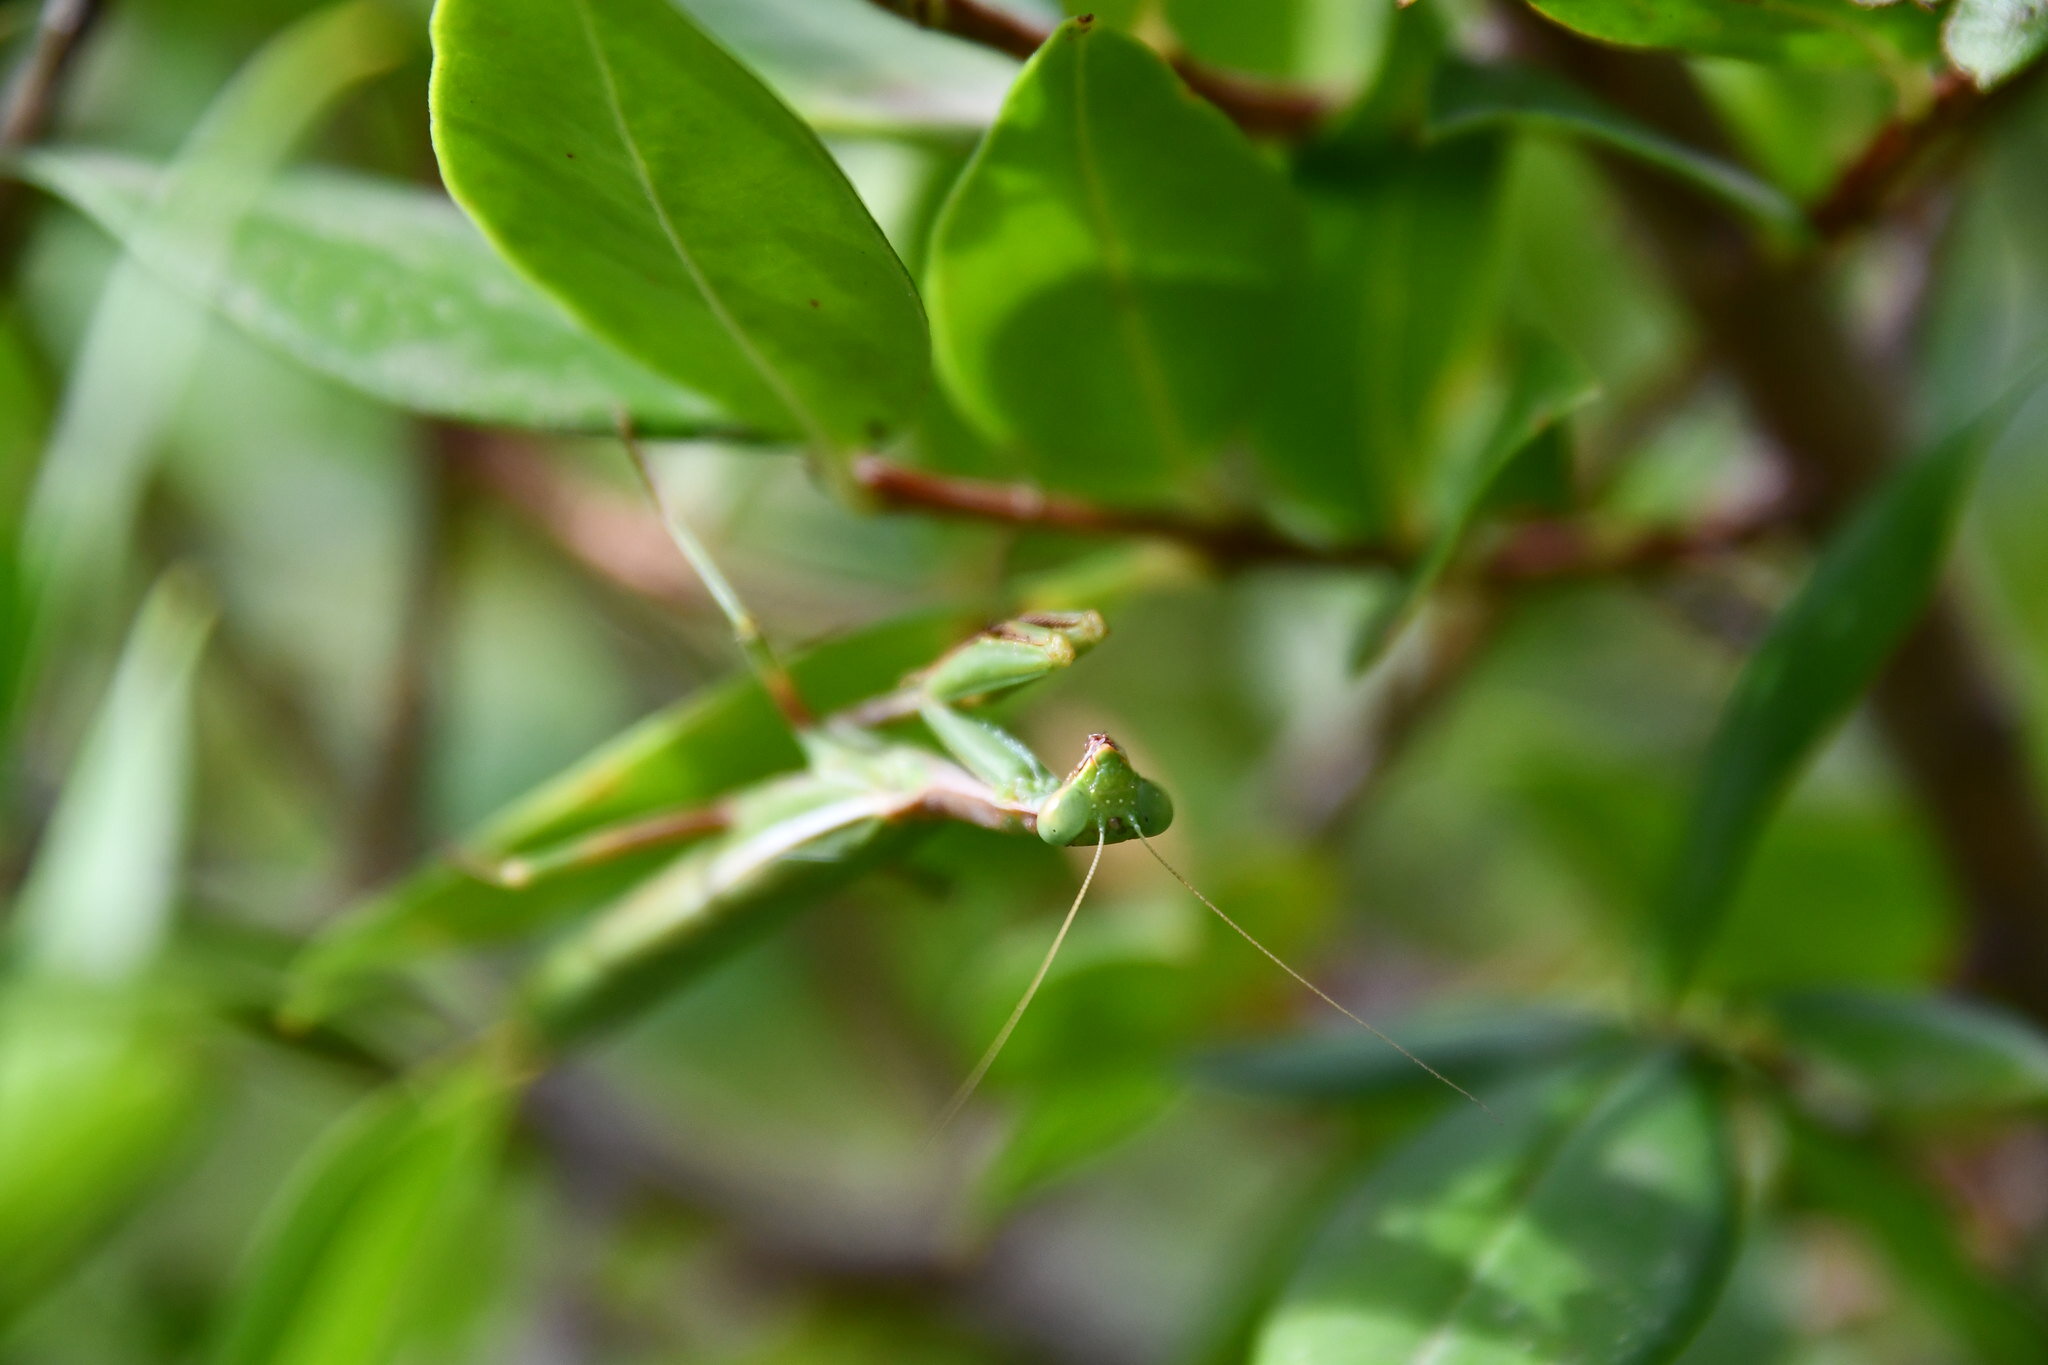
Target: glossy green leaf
{"type": "Point", "coordinates": [1593, 1221]}
{"type": "Point", "coordinates": [372, 1232]}
{"type": "Point", "coordinates": [1405, 244]}
{"type": "Point", "coordinates": [681, 757]}
{"type": "Point", "coordinates": [650, 183]}
{"type": "Point", "coordinates": [386, 288]}
{"type": "Point", "coordinates": [98, 1093]}
{"type": "Point", "coordinates": [98, 899]}
{"type": "Point", "coordinates": [1546, 384]}
{"type": "Point", "coordinates": [1467, 98]}
{"type": "Point", "coordinates": [1478, 1049]}
{"type": "Point", "coordinates": [1870, 585]}
{"type": "Point", "coordinates": [1802, 32]}
{"type": "Point", "coordinates": [1104, 277]}
{"type": "Point", "coordinates": [1993, 40]}
{"type": "Point", "coordinates": [1917, 1054]}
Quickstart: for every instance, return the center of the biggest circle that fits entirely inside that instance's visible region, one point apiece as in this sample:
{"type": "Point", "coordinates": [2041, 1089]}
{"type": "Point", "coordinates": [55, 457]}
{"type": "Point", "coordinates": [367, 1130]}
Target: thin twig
{"type": "Point", "coordinates": [31, 99]}
{"type": "Point", "coordinates": [761, 657]}
{"type": "Point", "coordinates": [1533, 552]}
{"type": "Point", "coordinates": [1260, 107]}
{"type": "Point", "coordinates": [1905, 148]}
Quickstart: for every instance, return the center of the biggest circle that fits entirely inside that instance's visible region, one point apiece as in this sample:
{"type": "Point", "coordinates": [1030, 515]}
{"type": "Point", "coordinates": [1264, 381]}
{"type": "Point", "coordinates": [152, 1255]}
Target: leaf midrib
{"type": "Point", "coordinates": [1545, 1165]}
{"type": "Point", "coordinates": [814, 430]}
{"type": "Point", "coordinates": [1123, 288]}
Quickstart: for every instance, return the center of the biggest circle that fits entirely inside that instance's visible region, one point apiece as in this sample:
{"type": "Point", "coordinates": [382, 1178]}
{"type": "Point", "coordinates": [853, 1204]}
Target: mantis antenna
{"type": "Point", "coordinates": [988, 1058]}
{"type": "Point", "coordinates": [760, 655]}
{"type": "Point", "coordinates": [1311, 986]}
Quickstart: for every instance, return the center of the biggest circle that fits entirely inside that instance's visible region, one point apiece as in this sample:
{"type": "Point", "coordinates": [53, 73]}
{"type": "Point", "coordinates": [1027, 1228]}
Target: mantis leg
{"type": "Point", "coordinates": [600, 846]}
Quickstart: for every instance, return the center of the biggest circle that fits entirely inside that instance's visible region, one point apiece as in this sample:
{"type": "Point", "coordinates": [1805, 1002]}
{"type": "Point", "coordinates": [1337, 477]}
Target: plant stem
{"type": "Point", "coordinates": [1903, 148]}
{"type": "Point", "coordinates": [31, 101]}
{"type": "Point", "coordinates": [753, 643]}
{"type": "Point", "coordinates": [1534, 552]}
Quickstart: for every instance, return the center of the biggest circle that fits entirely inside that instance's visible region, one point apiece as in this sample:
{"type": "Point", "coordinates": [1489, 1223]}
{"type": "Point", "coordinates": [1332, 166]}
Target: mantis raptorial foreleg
{"type": "Point", "coordinates": [666, 830]}
{"type": "Point", "coordinates": [780, 843]}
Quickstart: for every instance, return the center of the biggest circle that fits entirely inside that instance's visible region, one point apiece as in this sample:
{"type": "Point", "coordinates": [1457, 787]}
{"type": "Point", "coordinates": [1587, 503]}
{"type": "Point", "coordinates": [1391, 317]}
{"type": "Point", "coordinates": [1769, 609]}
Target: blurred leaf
{"type": "Point", "coordinates": [98, 900]}
{"type": "Point", "coordinates": [98, 1093]}
{"type": "Point", "coordinates": [1467, 98]}
{"type": "Point", "coordinates": [1802, 32]}
{"type": "Point", "coordinates": [372, 1233]}
{"type": "Point", "coordinates": [133, 365]}
{"type": "Point", "coordinates": [1478, 1049]}
{"type": "Point", "coordinates": [1594, 1219]}
{"type": "Point", "coordinates": [848, 65]}
{"type": "Point", "coordinates": [24, 407]}
{"type": "Point", "coordinates": [1331, 42]}
{"type": "Point", "coordinates": [386, 288]}
{"type": "Point", "coordinates": [1064, 1126]}
{"type": "Point", "coordinates": [1920, 1055]}
{"type": "Point", "coordinates": [1547, 383]}
{"type": "Point", "coordinates": [681, 757]}
{"type": "Point", "coordinates": [649, 182]}
{"type": "Point", "coordinates": [1104, 277]}
{"type": "Point", "coordinates": [1837, 892]}
{"type": "Point", "coordinates": [1870, 585]}
{"type": "Point", "coordinates": [1992, 40]}
{"type": "Point", "coordinates": [1913, 1226]}
{"type": "Point", "coordinates": [1405, 253]}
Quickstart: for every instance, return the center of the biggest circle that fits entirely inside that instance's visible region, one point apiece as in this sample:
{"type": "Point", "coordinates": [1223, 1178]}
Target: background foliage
{"type": "Point", "coordinates": [1564, 480]}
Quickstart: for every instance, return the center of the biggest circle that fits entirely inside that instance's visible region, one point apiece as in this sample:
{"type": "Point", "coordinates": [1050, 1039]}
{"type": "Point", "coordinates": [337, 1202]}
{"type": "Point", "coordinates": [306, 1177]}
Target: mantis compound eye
{"type": "Point", "coordinates": [1152, 809]}
{"type": "Point", "coordinates": [1067, 817]}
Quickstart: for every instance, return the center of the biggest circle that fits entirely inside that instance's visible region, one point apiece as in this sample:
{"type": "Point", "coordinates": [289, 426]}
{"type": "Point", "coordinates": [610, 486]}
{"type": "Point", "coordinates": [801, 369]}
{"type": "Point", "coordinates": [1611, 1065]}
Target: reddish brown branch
{"type": "Point", "coordinates": [30, 101]}
{"type": "Point", "coordinates": [1260, 107]}
{"type": "Point", "coordinates": [1867, 185]}
{"type": "Point", "coordinates": [1532, 552]}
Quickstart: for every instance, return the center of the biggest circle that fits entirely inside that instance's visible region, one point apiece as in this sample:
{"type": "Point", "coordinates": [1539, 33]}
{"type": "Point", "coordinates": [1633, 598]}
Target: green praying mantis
{"type": "Point", "coordinates": [863, 792]}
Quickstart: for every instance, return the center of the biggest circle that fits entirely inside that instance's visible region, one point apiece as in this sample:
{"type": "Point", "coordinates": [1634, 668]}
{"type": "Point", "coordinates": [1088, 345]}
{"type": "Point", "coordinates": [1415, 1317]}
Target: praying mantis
{"type": "Point", "coordinates": [863, 792]}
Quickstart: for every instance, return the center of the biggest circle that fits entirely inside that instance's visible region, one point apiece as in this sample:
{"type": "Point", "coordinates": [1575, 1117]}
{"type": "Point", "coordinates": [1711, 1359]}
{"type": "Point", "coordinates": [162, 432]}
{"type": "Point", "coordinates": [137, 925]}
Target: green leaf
{"type": "Point", "coordinates": [1548, 383]}
{"type": "Point", "coordinates": [680, 757]}
{"type": "Point", "coordinates": [372, 1232]}
{"type": "Point", "coordinates": [98, 900]}
{"type": "Point", "coordinates": [848, 65]}
{"type": "Point", "coordinates": [1594, 1220]}
{"type": "Point", "coordinates": [1405, 259]}
{"type": "Point", "coordinates": [1915, 1227]}
{"type": "Point", "coordinates": [387, 289]}
{"type": "Point", "coordinates": [98, 1093]}
{"type": "Point", "coordinates": [1918, 1055]}
{"type": "Point", "coordinates": [1467, 98]}
{"type": "Point", "coordinates": [1065, 1126]}
{"type": "Point", "coordinates": [132, 367]}
{"type": "Point", "coordinates": [1871, 583]}
{"type": "Point", "coordinates": [1331, 42]}
{"type": "Point", "coordinates": [1800, 32]}
{"type": "Point", "coordinates": [1104, 278]}
{"type": "Point", "coordinates": [630, 167]}
{"type": "Point", "coordinates": [1992, 40]}
{"type": "Point", "coordinates": [1475, 1050]}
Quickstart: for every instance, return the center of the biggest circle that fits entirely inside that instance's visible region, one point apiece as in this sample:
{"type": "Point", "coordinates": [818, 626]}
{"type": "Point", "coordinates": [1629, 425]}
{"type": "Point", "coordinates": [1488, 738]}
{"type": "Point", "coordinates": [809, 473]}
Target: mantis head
{"type": "Point", "coordinates": [1103, 798]}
